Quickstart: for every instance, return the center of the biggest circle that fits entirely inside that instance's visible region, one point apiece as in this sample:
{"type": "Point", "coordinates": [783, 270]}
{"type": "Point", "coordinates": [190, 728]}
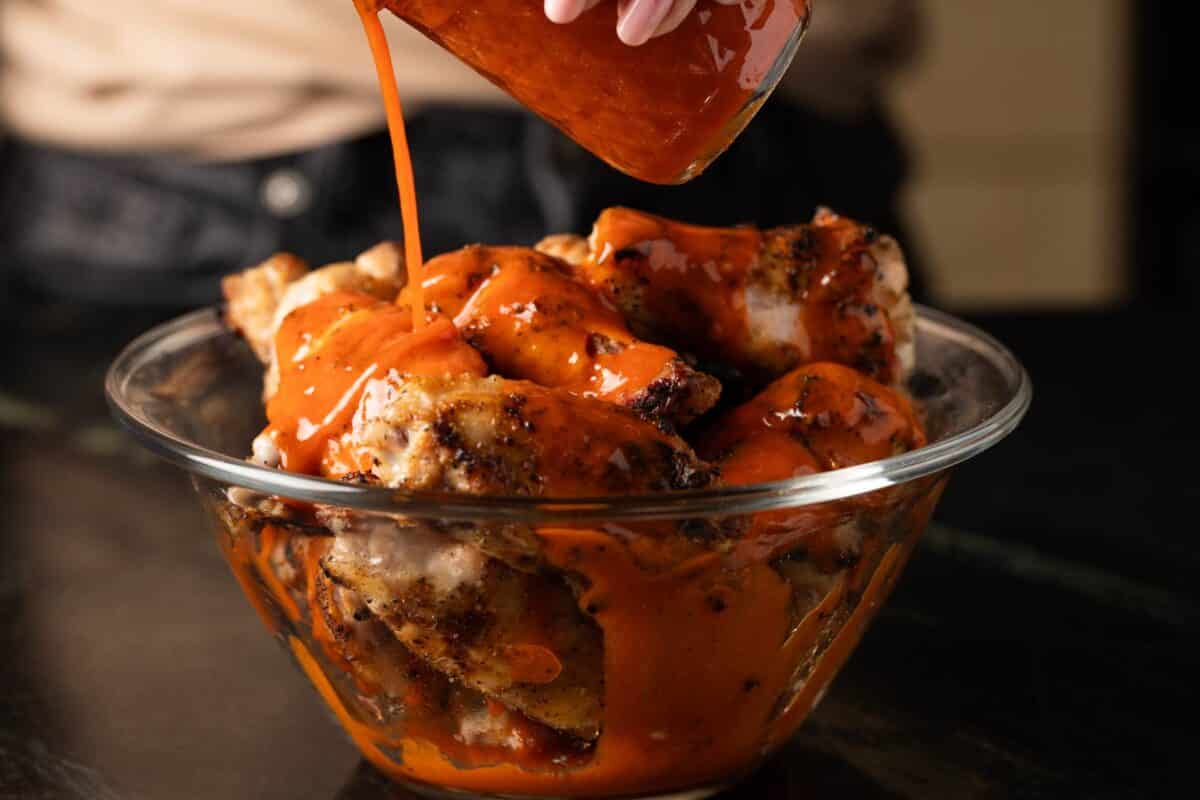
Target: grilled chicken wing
{"type": "Point", "coordinates": [328, 351]}
{"type": "Point", "coordinates": [463, 722]}
{"type": "Point", "coordinates": [762, 302]}
{"type": "Point", "coordinates": [260, 298]}
{"type": "Point", "coordinates": [496, 436]}
{"type": "Point", "coordinates": [513, 634]}
{"type": "Point", "coordinates": [516, 636]}
{"type": "Point", "coordinates": [818, 417]}
{"type": "Point", "coordinates": [532, 320]}
{"type": "Point", "coordinates": [445, 589]}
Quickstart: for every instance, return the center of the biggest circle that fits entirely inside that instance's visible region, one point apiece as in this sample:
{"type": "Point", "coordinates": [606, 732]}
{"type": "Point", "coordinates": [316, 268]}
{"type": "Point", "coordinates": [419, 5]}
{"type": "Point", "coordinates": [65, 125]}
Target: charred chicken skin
{"type": "Point", "coordinates": [761, 302]}
{"type": "Point", "coordinates": [557, 374]}
{"type": "Point", "coordinates": [515, 636]}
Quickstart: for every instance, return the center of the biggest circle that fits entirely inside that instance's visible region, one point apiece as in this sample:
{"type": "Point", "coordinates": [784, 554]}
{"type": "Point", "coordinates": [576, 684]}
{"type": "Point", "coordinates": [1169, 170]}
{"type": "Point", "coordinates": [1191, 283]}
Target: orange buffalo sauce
{"type": "Point", "coordinates": [329, 349]}
{"type": "Point", "coordinates": [368, 10]}
{"type": "Point", "coordinates": [535, 322]}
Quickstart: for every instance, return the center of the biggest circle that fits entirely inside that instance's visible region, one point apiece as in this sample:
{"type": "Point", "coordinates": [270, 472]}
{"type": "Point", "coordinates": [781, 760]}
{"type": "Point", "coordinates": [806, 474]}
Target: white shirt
{"type": "Point", "coordinates": [210, 79]}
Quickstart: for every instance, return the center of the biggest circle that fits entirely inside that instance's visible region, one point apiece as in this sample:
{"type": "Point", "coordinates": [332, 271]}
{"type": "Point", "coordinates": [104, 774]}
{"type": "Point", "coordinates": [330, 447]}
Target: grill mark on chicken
{"type": "Point", "coordinates": [495, 436]}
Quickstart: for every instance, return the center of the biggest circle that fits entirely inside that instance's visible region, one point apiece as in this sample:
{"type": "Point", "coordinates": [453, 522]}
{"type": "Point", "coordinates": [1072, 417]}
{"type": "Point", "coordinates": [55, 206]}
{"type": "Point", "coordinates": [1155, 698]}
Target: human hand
{"type": "Point", "coordinates": [638, 21]}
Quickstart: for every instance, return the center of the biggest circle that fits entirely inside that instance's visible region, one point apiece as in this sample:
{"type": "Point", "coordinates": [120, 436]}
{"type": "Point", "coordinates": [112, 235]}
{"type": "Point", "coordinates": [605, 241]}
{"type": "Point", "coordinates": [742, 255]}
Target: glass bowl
{"type": "Point", "coordinates": [644, 646]}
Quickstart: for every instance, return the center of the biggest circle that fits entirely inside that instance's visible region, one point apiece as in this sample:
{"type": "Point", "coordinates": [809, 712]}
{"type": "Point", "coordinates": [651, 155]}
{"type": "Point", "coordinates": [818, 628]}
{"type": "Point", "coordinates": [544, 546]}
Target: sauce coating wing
{"type": "Point", "coordinates": [761, 302]}
{"type": "Point", "coordinates": [328, 351]}
{"type": "Point", "coordinates": [491, 435]}
{"type": "Point", "coordinates": [816, 418]}
{"type": "Point", "coordinates": [258, 299]}
{"type": "Point", "coordinates": [533, 321]}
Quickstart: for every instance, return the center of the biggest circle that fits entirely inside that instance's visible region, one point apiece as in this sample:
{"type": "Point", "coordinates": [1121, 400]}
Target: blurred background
{"type": "Point", "coordinates": [1021, 119]}
{"type": "Point", "coordinates": [1036, 159]}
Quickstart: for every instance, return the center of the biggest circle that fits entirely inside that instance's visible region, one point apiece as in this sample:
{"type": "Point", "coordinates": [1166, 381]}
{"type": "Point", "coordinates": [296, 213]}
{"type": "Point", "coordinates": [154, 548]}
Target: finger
{"type": "Point", "coordinates": [563, 11]}
{"type": "Point", "coordinates": [638, 19]}
{"type": "Point", "coordinates": [679, 11]}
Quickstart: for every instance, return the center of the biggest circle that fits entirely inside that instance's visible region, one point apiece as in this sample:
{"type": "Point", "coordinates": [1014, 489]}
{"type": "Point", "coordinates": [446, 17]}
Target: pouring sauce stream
{"type": "Point", "coordinates": [368, 10]}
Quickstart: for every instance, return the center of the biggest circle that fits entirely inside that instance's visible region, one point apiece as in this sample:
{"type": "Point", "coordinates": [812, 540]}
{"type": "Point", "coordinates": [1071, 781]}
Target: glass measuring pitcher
{"type": "Point", "coordinates": [660, 112]}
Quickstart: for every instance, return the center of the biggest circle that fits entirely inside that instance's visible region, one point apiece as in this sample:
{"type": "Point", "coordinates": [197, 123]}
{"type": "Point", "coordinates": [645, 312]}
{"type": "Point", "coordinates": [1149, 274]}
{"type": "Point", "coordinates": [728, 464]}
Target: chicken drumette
{"type": "Point", "coordinates": [816, 418]}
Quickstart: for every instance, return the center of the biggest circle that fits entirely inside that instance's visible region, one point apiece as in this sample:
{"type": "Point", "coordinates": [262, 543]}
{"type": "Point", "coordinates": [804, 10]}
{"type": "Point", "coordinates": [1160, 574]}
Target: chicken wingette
{"type": "Point", "coordinates": [760, 302]}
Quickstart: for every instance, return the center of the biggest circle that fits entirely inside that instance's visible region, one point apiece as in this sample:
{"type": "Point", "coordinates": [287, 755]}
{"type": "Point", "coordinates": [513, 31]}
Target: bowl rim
{"type": "Point", "coordinates": [788, 493]}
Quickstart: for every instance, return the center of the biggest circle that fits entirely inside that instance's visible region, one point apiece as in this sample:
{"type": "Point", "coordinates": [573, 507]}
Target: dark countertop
{"type": "Point", "coordinates": [1034, 648]}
